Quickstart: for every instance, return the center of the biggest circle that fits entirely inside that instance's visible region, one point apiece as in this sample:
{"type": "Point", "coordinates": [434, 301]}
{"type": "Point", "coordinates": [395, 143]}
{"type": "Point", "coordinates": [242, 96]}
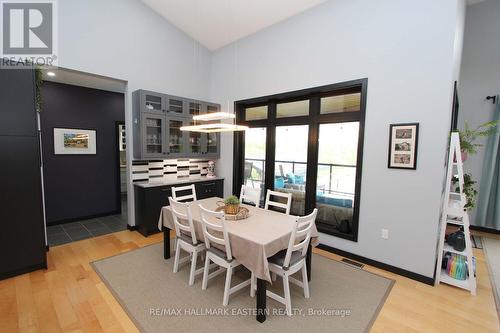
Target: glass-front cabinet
{"type": "Point", "coordinates": [157, 122]}
{"type": "Point", "coordinates": [152, 102]}
{"type": "Point", "coordinates": [153, 135]}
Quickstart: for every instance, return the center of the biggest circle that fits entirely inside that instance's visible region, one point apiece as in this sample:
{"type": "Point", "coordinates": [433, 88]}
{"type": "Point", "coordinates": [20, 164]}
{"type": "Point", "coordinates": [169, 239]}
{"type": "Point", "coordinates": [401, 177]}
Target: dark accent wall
{"type": "Point", "coordinates": [81, 186]}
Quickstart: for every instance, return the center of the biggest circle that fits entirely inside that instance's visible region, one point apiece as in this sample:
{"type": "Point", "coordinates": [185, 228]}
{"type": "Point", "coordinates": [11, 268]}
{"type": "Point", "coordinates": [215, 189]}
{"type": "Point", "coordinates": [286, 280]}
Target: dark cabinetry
{"type": "Point", "coordinates": [22, 235]}
{"type": "Point", "coordinates": [150, 200]}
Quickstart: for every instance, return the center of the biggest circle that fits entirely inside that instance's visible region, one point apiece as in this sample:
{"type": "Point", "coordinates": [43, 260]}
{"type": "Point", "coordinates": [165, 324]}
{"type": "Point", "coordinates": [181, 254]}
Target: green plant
{"type": "Point", "coordinates": [468, 136]}
{"type": "Point", "coordinates": [232, 200]}
{"type": "Point", "coordinates": [469, 190]}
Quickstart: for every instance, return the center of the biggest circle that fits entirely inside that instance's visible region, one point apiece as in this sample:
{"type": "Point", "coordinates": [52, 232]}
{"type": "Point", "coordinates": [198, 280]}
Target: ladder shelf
{"type": "Point", "coordinates": [454, 213]}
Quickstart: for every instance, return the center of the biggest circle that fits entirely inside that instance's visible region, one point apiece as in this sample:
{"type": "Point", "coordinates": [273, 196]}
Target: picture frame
{"type": "Point", "coordinates": [403, 146]}
{"type": "Point", "coordinates": [72, 141]}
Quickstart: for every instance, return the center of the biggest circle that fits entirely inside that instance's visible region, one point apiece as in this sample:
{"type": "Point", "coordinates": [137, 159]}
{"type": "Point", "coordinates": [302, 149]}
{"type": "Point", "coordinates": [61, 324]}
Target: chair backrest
{"type": "Point", "coordinates": [191, 197]}
{"type": "Point", "coordinates": [182, 211]}
{"type": "Point", "coordinates": [214, 225]}
{"type": "Point", "coordinates": [250, 194]}
{"type": "Point", "coordinates": [286, 206]}
{"type": "Point", "coordinates": [301, 234]}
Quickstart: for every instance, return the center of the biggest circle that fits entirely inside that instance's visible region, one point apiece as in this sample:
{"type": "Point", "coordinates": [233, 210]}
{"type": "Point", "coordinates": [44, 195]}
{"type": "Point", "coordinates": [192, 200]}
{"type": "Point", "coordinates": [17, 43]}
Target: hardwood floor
{"type": "Point", "coordinates": [70, 297]}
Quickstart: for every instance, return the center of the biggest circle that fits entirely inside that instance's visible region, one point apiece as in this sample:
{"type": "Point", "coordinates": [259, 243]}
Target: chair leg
{"type": "Point", "coordinates": [288, 301]}
{"type": "Point", "coordinates": [253, 285]}
{"type": "Point", "coordinates": [177, 257]}
{"type": "Point", "coordinates": [205, 273]}
{"type": "Point", "coordinates": [305, 283]}
{"type": "Point", "coordinates": [193, 267]}
{"type": "Point", "coordinates": [229, 274]}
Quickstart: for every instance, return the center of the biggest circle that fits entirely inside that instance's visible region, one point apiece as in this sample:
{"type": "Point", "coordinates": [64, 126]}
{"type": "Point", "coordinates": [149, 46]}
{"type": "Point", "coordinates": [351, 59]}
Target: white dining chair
{"type": "Point", "coordinates": [185, 237]}
{"type": "Point", "coordinates": [215, 233]}
{"type": "Point", "coordinates": [187, 197]}
{"type": "Point", "coordinates": [270, 203]}
{"type": "Point", "coordinates": [287, 263]}
{"type": "Point", "coordinates": [250, 195]}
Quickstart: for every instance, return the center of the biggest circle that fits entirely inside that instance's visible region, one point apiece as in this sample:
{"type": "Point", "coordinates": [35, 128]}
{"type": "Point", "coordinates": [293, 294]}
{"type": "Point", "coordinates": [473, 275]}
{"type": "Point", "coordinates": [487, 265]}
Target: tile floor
{"type": "Point", "coordinates": [74, 231]}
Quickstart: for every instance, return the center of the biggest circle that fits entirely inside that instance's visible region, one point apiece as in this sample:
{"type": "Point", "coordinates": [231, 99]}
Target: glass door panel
{"type": "Point", "coordinates": [153, 103]}
{"type": "Point", "coordinates": [194, 108]}
{"type": "Point", "coordinates": [175, 105]}
{"type": "Point", "coordinates": [212, 143]}
{"type": "Point", "coordinates": [153, 129]}
{"type": "Point", "coordinates": [194, 141]}
{"type": "Point", "coordinates": [176, 136]}
{"type": "Point", "coordinates": [255, 159]}
{"type": "Point", "coordinates": [337, 158]}
{"type": "Point", "coordinates": [291, 164]}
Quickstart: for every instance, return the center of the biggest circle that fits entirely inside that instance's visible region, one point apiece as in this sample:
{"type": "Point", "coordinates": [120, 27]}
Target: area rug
{"type": "Point", "coordinates": [343, 298]}
{"type": "Point", "coordinates": [492, 251]}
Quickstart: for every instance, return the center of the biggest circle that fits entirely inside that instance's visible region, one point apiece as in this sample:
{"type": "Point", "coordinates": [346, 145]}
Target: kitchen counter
{"type": "Point", "coordinates": [175, 182]}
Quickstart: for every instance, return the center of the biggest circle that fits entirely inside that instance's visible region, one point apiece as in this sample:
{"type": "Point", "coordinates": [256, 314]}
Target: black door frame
{"type": "Point", "coordinates": [314, 120]}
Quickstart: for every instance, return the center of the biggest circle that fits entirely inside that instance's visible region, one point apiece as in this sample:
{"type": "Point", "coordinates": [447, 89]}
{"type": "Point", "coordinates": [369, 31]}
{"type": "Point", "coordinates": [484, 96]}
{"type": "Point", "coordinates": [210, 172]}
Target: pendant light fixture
{"type": "Point", "coordinates": [214, 120]}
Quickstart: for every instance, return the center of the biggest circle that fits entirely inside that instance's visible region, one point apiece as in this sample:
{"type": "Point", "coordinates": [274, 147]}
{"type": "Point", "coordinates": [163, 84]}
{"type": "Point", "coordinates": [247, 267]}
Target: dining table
{"type": "Point", "coordinates": [253, 240]}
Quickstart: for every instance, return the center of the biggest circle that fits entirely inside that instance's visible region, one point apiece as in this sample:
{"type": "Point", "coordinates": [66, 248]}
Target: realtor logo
{"type": "Point", "coordinates": [29, 31]}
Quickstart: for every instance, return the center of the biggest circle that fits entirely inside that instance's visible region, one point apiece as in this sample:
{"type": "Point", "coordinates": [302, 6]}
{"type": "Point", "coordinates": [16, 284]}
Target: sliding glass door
{"type": "Point", "coordinates": [255, 159]}
{"type": "Point", "coordinates": [308, 143]}
{"type": "Point", "coordinates": [290, 164]}
{"type": "Point", "coordinates": [336, 181]}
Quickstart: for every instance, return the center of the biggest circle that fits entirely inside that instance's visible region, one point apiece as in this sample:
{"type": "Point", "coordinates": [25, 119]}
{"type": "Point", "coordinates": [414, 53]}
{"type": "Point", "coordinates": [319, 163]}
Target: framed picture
{"type": "Point", "coordinates": [69, 141]}
{"type": "Point", "coordinates": [403, 144]}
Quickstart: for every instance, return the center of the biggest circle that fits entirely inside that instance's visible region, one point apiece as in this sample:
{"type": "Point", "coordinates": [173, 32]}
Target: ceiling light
{"type": "Point", "coordinates": [51, 74]}
{"type": "Point", "coordinates": [214, 116]}
{"type": "Point", "coordinates": [214, 128]}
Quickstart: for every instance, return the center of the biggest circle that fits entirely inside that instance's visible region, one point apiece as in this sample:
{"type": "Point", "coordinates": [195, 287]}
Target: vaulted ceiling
{"type": "Point", "coordinates": [215, 23]}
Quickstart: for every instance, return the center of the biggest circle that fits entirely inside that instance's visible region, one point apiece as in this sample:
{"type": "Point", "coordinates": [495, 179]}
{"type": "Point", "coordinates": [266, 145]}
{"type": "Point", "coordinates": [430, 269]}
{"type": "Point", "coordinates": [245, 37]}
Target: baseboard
{"type": "Point", "coordinates": [483, 229]}
{"type": "Point", "coordinates": [23, 270]}
{"type": "Point", "coordinates": [131, 227]}
{"type": "Point", "coordinates": [88, 217]}
{"type": "Point", "coordinates": [378, 264]}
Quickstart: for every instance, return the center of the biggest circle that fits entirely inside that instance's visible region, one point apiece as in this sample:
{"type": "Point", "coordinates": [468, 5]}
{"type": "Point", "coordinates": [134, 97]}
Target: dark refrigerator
{"type": "Point", "coordinates": [22, 228]}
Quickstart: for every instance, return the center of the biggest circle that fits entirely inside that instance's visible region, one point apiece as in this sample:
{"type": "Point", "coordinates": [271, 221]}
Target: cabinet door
{"type": "Point", "coordinates": [176, 106]}
{"type": "Point", "coordinates": [177, 140]}
{"type": "Point", "coordinates": [195, 142]}
{"type": "Point", "coordinates": [17, 102]}
{"type": "Point", "coordinates": [194, 108]}
{"type": "Point", "coordinates": [211, 145]}
{"type": "Point", "coordinates": [153, 129]}
{"type": "Point", "coordinates": [211, 107]}
{"type": "Point", "coordinates": [152, 102]}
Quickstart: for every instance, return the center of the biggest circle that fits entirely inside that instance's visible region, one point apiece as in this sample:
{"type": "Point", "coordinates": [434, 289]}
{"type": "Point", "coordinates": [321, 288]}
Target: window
{"type": "Point", "coordinates": [336, 181]}
{"type": "Point", "coordinates": [292, 109]}
{"type": "Point", "coordinates": [308, 143]}
{"type": "Point", "coordinates": [255, 158]}
{"type": "Point", "coordinates": [256, 113]}
{"type": "Point", "coordinates": [341, 103]}
{"type": "Point", "coordinates": [291, 164]}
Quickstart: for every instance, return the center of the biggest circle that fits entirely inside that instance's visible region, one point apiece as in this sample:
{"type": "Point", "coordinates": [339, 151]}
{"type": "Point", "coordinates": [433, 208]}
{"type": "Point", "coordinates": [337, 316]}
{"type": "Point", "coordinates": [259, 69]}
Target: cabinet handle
{"type": "Point", "coordinates": [165, 189]}
{"type": "Point", "coordinates": [209, 184]}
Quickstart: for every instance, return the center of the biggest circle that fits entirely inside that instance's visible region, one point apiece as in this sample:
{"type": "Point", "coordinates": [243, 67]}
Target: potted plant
{"type": "Point", "coordinates": [468, 137]}
{"type": "Point", "coordinates": [232, 205]}
{"type": "Point", "coordinates": [469, 190]}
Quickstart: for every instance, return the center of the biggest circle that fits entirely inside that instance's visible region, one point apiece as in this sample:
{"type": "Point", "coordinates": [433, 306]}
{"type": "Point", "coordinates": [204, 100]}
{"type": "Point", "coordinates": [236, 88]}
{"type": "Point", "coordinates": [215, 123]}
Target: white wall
{"type": "Point", "coordinates": [480, 74]}
{"type": "Point", "coordinates": [408, 51]}
{"type": "Point", "coordinates": [125, 39]}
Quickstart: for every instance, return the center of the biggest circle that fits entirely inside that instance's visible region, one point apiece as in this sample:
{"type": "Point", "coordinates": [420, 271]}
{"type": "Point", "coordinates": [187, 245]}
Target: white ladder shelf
{"type": "Point", "coordinates": [455, 213]}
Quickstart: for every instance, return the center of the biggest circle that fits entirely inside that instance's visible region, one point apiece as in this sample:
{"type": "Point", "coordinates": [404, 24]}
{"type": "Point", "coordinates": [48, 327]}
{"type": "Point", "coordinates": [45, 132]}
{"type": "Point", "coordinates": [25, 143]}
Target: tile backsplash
{"type": "Point", "coordinates": [168, 170]}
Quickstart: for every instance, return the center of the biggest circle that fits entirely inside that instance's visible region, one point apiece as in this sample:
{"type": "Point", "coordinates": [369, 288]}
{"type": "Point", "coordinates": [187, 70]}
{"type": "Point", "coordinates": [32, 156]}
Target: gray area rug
{"type": "Point", "coordinates": [343, 298]}
{"type": "Point", "coordinates": [492, 251]}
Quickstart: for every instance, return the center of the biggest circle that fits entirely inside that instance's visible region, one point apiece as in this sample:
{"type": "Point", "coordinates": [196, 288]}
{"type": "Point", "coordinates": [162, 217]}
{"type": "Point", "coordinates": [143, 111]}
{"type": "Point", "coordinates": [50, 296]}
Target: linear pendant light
{"type": "Point", "coordinates": [214, 128]}
{"type": "Point", "coordinates": [214, 116]}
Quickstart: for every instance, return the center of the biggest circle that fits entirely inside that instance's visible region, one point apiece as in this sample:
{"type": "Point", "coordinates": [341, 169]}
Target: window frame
{"type": "Point", "coordinates": [314, 119]}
